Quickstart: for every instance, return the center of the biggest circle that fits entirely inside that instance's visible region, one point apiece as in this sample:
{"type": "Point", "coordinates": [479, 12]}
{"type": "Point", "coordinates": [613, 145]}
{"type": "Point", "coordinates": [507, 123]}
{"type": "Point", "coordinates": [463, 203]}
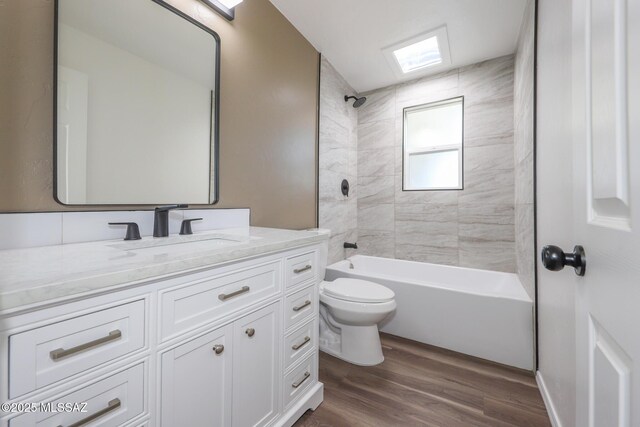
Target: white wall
{"type": "Point", "coordinates": [556, 295]}
{"type": "Point", "coordinates": [149, 133]}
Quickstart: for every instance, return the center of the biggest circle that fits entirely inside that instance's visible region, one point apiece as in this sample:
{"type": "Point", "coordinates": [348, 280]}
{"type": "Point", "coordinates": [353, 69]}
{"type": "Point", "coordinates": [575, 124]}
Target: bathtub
{"type": "Point", "coordinates": [482, 313]}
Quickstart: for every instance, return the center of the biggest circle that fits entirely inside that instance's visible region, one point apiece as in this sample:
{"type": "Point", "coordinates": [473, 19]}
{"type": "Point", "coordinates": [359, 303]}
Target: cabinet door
{"type": "Point", "coordinates": [196, 381]}
{"type": "Point", "coordinates": [256, 368]}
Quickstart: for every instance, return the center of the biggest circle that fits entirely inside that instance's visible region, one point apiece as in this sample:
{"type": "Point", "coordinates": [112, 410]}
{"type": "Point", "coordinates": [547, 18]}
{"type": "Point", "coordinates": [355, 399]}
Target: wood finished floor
{"type": "Point", "coordinates": [422, 385]}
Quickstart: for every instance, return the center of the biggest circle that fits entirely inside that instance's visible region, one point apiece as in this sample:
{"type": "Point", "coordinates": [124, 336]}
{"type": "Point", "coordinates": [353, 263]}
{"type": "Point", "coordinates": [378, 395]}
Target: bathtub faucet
{"type": "Point", "coordinates": [350, 245]}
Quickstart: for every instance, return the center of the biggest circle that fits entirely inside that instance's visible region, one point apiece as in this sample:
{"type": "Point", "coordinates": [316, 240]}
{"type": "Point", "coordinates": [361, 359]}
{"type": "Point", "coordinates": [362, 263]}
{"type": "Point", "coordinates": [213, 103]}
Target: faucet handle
{"type": "Point", "coordinates": [133, 231]}
{"type": "Point", "coordinates": [185, 228]}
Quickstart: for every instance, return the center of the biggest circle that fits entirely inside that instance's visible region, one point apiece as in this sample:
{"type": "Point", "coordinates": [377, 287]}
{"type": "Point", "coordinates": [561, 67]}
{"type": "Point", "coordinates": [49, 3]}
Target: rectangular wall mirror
{"type": "Point", "coordinates": [136, 105]}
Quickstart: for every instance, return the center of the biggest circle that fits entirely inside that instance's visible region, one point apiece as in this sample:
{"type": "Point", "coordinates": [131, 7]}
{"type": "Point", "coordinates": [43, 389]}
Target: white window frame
{"type": "Point", "coordinates": [406, 152]}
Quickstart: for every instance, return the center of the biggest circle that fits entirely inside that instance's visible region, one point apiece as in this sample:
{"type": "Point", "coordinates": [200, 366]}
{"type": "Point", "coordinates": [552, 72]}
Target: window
{"type": "Point", "coordinates": [432, 146]}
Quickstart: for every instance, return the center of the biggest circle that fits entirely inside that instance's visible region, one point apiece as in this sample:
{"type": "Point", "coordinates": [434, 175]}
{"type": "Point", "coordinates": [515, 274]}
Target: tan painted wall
{"type": "Point", "coordinates": [268, 123]}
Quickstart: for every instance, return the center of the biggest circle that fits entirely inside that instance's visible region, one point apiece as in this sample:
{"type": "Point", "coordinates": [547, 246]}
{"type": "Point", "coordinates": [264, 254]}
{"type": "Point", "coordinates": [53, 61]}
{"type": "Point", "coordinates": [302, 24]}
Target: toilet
{"type": "Point", "coordinates": [350, 311]}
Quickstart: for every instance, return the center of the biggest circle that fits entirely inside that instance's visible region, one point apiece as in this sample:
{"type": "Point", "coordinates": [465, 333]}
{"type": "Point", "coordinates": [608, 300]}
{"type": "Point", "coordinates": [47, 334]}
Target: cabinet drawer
{"type": "Point", "coordinates": [301, 268]}
{"type": "Point", "coordinates": [300, 342]}
{"type": "Point", "coordinates": [110, 402]}
{"type": "Point", "coordinates": [300, 305]}
{"type": "Point", "coordinates": [298, 381]}
{"type": "Point", "coordinates": [202, 301]}
{"type": "Point", "coordinates": [42, 356]}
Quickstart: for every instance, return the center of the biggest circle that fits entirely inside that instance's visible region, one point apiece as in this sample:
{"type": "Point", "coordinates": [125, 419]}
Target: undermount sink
{"type": "Point", "coordinates": [189, 243]}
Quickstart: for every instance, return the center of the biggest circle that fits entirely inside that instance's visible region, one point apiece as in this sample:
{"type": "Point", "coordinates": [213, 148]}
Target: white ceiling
{"type": "Point", "coordinates": [351, 34]}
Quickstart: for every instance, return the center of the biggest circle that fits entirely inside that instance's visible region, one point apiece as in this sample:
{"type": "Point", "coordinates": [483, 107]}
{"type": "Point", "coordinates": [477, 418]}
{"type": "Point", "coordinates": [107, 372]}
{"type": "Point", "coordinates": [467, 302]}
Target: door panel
{"type": "Point", "coordinates": [256, 339]}
{"type": "Point", "coordinates": [606, 188]}
{"type": "Point", "coordinates": [196, 381]}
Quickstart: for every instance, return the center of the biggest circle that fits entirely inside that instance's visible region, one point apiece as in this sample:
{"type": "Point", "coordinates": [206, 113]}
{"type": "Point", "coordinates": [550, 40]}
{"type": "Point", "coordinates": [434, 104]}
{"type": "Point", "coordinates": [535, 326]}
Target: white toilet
{"type": "Point", "coordinates": [350, 311]}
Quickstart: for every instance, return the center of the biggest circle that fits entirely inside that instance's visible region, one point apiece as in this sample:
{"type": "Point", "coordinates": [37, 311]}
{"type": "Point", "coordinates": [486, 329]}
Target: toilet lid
{"type": "Point", "coordinates": [358, 290]}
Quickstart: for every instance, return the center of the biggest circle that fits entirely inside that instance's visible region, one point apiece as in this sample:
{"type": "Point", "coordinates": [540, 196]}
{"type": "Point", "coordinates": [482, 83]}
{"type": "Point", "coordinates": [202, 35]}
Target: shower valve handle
{"type": "Point", "coordinates": [555, 259]}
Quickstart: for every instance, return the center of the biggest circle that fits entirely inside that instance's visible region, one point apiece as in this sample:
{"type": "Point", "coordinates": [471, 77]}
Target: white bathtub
{"type": "Point", "coordinates": [483, 313]}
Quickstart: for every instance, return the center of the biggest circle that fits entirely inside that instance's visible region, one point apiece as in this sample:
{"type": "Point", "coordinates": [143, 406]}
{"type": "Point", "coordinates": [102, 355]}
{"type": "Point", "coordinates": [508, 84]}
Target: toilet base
{"type": "Point", "coordinates": [359, 345]}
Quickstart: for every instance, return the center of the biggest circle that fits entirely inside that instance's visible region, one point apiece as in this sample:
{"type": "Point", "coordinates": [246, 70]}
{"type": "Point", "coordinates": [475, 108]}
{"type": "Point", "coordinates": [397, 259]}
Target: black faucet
{"type": "Point", "coordinates": [348, 245]}
{"type": "Point", "coordinates": [161, 219]}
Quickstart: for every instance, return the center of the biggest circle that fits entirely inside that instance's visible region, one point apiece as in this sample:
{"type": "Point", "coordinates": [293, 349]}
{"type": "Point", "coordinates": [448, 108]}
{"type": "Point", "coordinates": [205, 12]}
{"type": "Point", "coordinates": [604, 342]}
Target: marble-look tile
{"type": "Point", "coordinates": [497, 256]}
{"type": "Point", "coordinates": [524, 181]}
{"type": "Point", "coordinates": [486, 233]}
{"type": "Point", "coordinates": [334, 159]}
{"type": "Point", "coordinates": [375, 190]}
{"type": "Point", "coordinates": [428, 196]}
{"type": "Point", "coordinates": [337, 252]}
{"type": "Point", "coordinates": [425, 253]}
{"type": "Point", "coordinates": [525, 246]}
{"type": "Point", "coordinates": [487, 80]}
{"type": "Point", "coordinates": [489, 157]}
{"type": "Point", "coordinates": [488, 186]}
{"type": "Point", "coordinates": [481, 141]}
{"type": "Point", "coordinates": [523, 131]}
{"type": "Point", "coordinates": [380, 105]}
{"type": "Point", "coordinates": [28, 230]}
{"type": "Point", "coordinates": [333, 216]}
{"type": "Point", "coordinates": [489, 118]}
{"type": "Point", "coordinates": [486, 213]}
{"type": "Point", "coordinates": [427, 89]}
{"type": "Point", "coordinates": [375, 135]}
{"type": "Point", "coordinates": [329, 185]}
{"type": "Point", "coordinates": [430, 233]}
{"type": "Point", "coordinates": [380, 162]}
{"type": "Point", "coordinates": [431, 212]}
{"type": "Point", "coordinates": [378, 243]}
{"type": "Point", "coordinates": [334, 133]}
{"type": "Point", "coordinates": [376, 217]}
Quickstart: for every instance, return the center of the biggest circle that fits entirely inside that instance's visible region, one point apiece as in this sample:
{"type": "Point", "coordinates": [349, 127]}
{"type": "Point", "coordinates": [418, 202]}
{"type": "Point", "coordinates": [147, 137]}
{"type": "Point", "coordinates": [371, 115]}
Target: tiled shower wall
{"type": "Point", "coordinates": [473, 227]}
{"type": "Point", "coordinates": [337, 161]}
{"type": "Point", "coordinates": [523, 151]}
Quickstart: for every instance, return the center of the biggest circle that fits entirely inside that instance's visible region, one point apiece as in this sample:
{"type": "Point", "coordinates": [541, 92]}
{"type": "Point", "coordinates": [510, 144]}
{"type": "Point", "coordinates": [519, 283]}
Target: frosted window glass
{"type": "Point", "coordinates": [437, 169]}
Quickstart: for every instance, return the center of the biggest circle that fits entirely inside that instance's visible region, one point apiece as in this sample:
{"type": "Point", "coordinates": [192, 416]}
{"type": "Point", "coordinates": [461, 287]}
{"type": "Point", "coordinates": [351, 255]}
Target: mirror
{"type": "Point", "coordinates": [136, 104]}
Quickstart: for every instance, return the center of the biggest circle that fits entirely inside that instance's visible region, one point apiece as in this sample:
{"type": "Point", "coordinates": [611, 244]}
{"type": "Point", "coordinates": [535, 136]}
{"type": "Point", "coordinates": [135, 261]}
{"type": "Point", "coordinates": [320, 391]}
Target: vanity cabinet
{"type": "Point", "coordinates": [231, 345]}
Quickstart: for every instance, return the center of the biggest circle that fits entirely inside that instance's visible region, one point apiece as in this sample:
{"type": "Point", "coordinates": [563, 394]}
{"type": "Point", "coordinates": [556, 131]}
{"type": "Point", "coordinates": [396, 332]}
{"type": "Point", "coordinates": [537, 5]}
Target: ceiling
{"type": "Point", "coordinates": [352, 34]}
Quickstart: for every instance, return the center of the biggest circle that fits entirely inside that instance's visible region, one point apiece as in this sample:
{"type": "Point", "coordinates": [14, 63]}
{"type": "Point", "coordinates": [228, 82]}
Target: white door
{"type": "Point", "coordinates": [256, 386]}
{"type": "Point", "coordinates": [196, 381]}
{"type": "Point", "coordinates": [606, 99]}
{"type": "Point", "coordinates": [605, 193]}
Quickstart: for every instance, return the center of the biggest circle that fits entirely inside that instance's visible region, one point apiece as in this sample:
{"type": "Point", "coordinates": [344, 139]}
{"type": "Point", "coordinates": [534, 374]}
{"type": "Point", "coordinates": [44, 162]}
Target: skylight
{"type": "Point", "coordinates": [419, 55]}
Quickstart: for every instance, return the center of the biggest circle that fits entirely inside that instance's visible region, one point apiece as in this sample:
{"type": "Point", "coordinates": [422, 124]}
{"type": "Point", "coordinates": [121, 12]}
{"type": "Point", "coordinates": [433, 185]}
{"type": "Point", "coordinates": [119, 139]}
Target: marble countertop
{"type": "Point", "coordinates": [38, 276]}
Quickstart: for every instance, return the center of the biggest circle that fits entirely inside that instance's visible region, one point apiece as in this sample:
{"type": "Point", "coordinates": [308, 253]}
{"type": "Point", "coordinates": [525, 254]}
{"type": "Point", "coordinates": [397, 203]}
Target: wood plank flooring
{"type": "Point", "coordinates": [422, 385]}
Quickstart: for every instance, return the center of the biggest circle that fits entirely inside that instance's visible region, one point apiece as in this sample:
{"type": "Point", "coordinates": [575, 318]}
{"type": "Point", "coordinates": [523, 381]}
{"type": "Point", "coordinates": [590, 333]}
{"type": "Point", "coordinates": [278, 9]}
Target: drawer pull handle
{"type": "Point", "coordinates": [218, 348]}
{"type": "Point", "coordinates": [251, 332]}
{"type": "Point", "coordinates": [224, 297]}
{"type": "Point", "coordinates": [303, 269]}
{"type": "Point", "coordinates": [299, 383]}
{"type": "Point", "coordinates": [111, 406]}
{"type": "Point", "coordinates": [302, 344]}
{"type": "Point", "coordinates": [300, 307]}
{"type": "Point", "coordinates": [60, 353]}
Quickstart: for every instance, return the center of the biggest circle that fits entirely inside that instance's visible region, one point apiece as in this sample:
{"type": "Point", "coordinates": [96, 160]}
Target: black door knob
{"type": "Point", "coordinates": [554, 259]}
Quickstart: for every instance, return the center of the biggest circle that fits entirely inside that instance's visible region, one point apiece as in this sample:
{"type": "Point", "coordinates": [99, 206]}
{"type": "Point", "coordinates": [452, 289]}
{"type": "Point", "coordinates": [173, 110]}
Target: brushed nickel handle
{"type": "Point", "coordinates": [60, 353]}
{"type": "Point", "coordinates": [303, 269]}
{"type": "Point", "coordinates": [302, 344]}
{"type": "Point", "coordinates": [111, 406]}
{"type": "Point", "coordinates": [299, 383]}
{"type": "Point", "coordinates": [300, 307]}
{"type": "Point", "coordinates": [218, 348]}
{"type": "Point", "coordinates": [242, 290]}
{"type": "Point", "coordinates": [251, 332]}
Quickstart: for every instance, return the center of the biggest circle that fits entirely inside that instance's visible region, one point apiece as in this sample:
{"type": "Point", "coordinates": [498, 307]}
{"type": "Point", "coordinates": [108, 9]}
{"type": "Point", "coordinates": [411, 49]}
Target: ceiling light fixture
{"type": "Point", "coordinates": [223, 7]}
{"type": "Point", "coordinates": [419, 54]}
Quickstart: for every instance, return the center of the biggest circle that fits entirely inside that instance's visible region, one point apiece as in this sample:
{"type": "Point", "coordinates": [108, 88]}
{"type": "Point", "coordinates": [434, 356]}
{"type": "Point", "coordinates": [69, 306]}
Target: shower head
{"type": "Point", "coordinates": [358, 102]}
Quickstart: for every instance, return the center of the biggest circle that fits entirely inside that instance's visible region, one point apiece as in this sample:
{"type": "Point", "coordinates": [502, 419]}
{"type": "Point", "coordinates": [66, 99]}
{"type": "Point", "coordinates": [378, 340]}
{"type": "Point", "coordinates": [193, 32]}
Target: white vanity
{"type": "Point", "coordinates": [214, 329]}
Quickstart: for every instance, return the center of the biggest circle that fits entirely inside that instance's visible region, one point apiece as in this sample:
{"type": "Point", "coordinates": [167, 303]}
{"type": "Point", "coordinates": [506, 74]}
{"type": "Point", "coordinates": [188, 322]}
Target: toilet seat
{"type": "Point", "coordinates": [356, 290]}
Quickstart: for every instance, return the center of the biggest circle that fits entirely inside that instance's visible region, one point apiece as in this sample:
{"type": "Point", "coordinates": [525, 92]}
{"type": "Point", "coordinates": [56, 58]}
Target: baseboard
{"type": "Point", "coordinates": [548, 403]}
